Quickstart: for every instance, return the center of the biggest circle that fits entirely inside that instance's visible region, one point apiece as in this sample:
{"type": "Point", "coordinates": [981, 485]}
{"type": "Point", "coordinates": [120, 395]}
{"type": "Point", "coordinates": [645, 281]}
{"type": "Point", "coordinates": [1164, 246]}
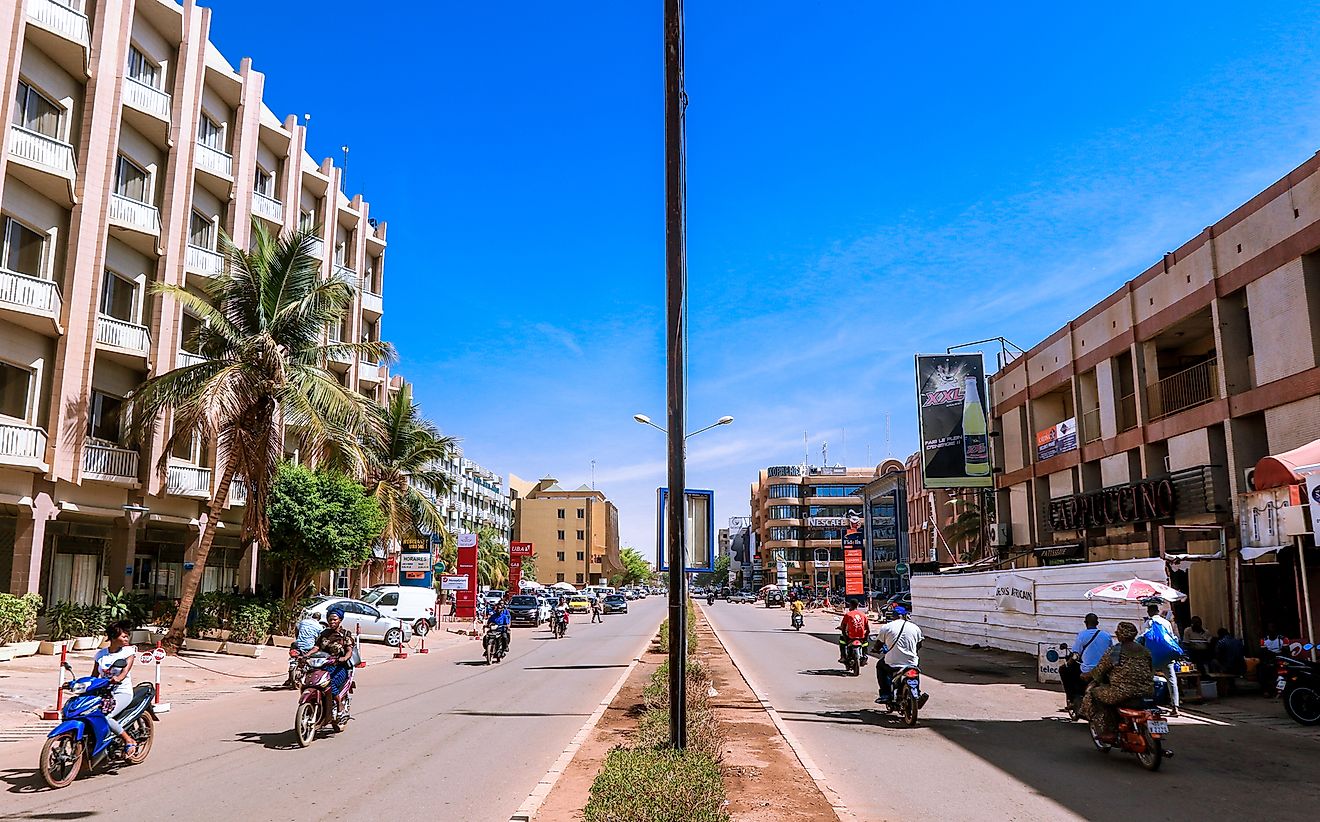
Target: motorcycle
{"type": "Point", "coordinates": [317, 705]}
{"type": "Point", "coordinates": [797, 621]}
{"type": "Point", "coordinates": [493, 644]}
{"type": "Point", "coordinates": [559, 625]}
{"type": "Point", "coordinates": [1141, 731]}
{"type": "Point", "coordinates": [1299, 685]}
{"type": "Point", "coordinates": [710, 599]}
{"type": "Point", "coordinates": [84, 738]}
{"type": "Point", "coordinates": [854, 656]}
{"type": "Point", "coordinates": [1072, 695]}
{"type": "Point", "coordinates": [907, 697]}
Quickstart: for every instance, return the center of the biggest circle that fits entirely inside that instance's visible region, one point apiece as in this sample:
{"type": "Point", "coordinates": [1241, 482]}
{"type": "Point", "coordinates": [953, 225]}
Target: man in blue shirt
{"type": "Point", "coordinates": [499, 618]}
{"type": "Point", "coordinates": [1092, 643]}
{"type": "Point", "coordinates": [309, 628]}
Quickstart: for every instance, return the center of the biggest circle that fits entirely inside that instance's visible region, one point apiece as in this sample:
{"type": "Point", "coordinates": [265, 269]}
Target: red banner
{"type": "Point", "coordinates": [467, 567]}
{"type": "Point", "coordinates": [853, 582]}
{"type": "Point", "coordinates": [517, 550]}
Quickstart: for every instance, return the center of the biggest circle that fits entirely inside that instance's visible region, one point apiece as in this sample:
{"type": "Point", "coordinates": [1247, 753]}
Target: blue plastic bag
{"type": "Point", "coordinates": [1162, 644]}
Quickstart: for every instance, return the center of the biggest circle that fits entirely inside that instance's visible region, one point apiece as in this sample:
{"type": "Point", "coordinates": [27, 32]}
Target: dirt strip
{"type": "Point", "coordinates": [763, 778]}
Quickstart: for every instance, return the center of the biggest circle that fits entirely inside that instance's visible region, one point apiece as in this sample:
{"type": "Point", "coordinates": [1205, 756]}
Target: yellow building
{"type": "Point", "coordinates": [575, 533]}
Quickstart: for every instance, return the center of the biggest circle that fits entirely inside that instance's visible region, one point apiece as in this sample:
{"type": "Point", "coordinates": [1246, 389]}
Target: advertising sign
{"type": "Point", "coordinates": [466, 606]}
{"type": "Point", "coordinates": [699, 549]}
{"type": "Point", "coordinates": [517, 550]}
{"type": "Point", "coordinates": [415, 569]}
{"type": "Point", "coordinates": [1014, 592]}
{"type": "Point", "coordinates": [827, 522]}
{"type": "Point", "coordinates": [1059, 438]}
{"type": "Point", "coordinates": [853, 583]}
{"type": "Point", "coordinates": [952, 421]}
{"type": "Point", "coordinates": [1313, 494]}
{"type": "Point", "coordinates": [453, 582]}
{"type": "Point", "coordinates": [1049, 659]}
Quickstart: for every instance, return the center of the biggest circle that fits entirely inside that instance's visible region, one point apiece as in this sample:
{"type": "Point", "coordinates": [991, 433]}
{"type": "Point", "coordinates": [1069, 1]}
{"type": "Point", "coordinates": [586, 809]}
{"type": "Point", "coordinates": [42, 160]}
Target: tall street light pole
{"type": "Point", "coordinates": [675, 365]}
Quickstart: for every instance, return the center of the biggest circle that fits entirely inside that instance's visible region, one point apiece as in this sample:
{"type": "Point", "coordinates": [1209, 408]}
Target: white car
{"type": "Point", "coordinates": [410, 603]}
{"type": "Point", "coordinates": [364, 620]}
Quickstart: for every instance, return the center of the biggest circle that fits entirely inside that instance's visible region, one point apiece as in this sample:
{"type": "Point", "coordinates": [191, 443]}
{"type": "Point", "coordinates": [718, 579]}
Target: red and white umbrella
{"type": "Point", "coordinates": [1135, 590]}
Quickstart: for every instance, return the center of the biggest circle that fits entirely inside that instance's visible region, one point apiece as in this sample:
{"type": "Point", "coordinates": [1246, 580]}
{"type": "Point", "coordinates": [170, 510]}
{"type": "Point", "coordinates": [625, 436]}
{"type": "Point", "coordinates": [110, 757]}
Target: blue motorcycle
{"type": "Point", "coordinates": [84, 737]}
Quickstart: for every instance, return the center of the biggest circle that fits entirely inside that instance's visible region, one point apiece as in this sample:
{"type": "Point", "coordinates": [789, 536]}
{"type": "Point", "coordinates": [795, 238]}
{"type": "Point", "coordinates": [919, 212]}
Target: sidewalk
{"type": "Point", "coordinates": [27, 685]}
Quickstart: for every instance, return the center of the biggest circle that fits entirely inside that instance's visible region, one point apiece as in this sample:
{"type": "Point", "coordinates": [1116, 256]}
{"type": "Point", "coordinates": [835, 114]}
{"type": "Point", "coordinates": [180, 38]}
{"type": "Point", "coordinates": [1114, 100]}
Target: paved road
{"type": "Point", "coordinates": [991, 745]}
{"type": "Point", "coordinates": [441, 732]}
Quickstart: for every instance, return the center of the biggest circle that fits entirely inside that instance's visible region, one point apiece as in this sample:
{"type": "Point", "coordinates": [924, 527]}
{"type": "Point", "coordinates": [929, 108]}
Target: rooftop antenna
{"type": "Point", "coordinates": [343, 178]}
{"type": "Point", "coordinates": [806, 453]}
{"type": "Point", "coordinates": [593, 475]}
{"type": "Point", "coordinates": [825, 454]}
{"type": "Point", "coordinates": [889, 443]}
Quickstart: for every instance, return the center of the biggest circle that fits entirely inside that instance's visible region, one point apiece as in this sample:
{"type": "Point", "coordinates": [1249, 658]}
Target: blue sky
{"type": "Point", "coordinates": [865, 181]}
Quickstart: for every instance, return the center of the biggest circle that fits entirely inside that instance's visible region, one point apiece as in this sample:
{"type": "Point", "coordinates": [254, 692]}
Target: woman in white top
{"type": "Point", "coordinates": [115, 663]}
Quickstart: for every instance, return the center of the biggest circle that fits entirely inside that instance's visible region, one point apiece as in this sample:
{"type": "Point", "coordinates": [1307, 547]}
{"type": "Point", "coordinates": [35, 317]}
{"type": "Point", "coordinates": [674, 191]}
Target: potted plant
{"type": "Point", "coordinates": [283, 622]}
{"type": "Point", "coordinates": [91, 624]}
{"type": "Point", "coordinates": [249, 628]}
{"type": "Point", "coordinates": [18, 624]}
{"type": "Point", "coordinates": [201, 631]}
{"type": "Point", "coordinates": [63, 623]}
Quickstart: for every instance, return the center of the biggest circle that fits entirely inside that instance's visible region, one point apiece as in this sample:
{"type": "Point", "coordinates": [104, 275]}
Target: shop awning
{"type": "Point", "coordinates": [1248, 554]}
{"type": "Point", "coordinates": [1278, 470]}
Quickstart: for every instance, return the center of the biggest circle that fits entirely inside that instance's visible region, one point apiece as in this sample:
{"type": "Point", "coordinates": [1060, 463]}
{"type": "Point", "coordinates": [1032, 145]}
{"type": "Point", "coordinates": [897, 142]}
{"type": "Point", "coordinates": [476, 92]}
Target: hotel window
{"type": "Point", "coordinates": [141, 68]}
{"type": "Point", "coordinates": [263, 182]}
{"type": "Point", "coordinates": [188, 334]}
{"type": "Point", "coordinates": [582, 514]}
{"type": "Point", "coordinates": [15, 389]}
{"type": "Point", "coordinates": [131, 180]}
{"type": "Point", "coordinates": [779, 491]}
{"type": "Point", "coordinates": [341, 253]}
{"type": "Point", "coordinates": [210, 133]}
{"type": "Point", "coordinates": [581, 535]}
{"type": "Point", "coordinates": [35, 112]}
{"type": "Point", "coordinates": [307, 221]}
{"type": "Point", "coordinates": [561, 534]}
{"type": "Point", "coordinates": [119, 298]}
{"type": "Point", "coordinates": [189, 449]}
{"type": "Point", "coordinates": [581, 555]}
{"type": "Point", "coordinates": [23, 249]}
{"type": "Point", "coordinates": [784, 512]}
{"type": "Point", "coordinates": [103, 417]}
{"type": "Point", "coordinates": [201, 230]}
{"type": "Point", "coordinates": [560, 513]}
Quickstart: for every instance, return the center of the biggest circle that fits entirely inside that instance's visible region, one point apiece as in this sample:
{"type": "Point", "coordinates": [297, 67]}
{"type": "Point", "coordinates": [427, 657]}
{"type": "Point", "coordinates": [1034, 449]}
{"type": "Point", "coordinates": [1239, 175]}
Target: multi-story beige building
{"type": "Point", "coordinates": [132, 144]}
{"type": "Point", "coordinates": [1177, 384]}
{"type": "Point", "coordinates": [574, 533]}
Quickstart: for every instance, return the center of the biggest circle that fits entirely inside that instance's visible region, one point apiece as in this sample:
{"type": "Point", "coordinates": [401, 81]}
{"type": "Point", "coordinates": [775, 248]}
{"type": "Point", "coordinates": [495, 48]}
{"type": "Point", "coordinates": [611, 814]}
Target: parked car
{"type": "Point", "coordinates": [579, 604]}
{"type": "Point", "coordinates": [904, 599]}
{"type": "Point", "coordinates": [615, 604]}
{"type": "Point", "coordinates": [743, 597]}
{"type": "Point", "coordinates": [525, 610]}
{"type": "Point", "coordinates": [366, 621]}
{"type": "Point", "coordinates": [774, 598]}
{"type": "Point", "coordinates": [409, 603]}
{"type": "Point", "coordinates": [493, 596]}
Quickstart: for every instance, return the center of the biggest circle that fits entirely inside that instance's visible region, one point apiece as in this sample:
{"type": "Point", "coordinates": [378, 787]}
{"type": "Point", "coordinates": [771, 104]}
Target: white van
{"type": "Point", "coordinates": [406, 603]}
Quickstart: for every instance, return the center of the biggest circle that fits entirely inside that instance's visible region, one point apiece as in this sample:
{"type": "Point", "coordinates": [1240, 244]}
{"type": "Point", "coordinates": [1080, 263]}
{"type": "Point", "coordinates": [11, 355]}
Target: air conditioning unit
{"type": "Point", "coordinates": [1001, 535]}
{"type": "Point", "coordinates": [1249, 479]}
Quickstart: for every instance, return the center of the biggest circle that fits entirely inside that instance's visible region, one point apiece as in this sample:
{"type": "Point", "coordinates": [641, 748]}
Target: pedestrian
{"type": "Point", "coordinates": [1196, 641]}
{"type": "Point", "coordinates": [1230, 654]}
{"type": "Point", "coordinates": [595, 610]}
{"type": "Point", "coordinates": [1154, 617]}
{"type": "Point", "coordinates": [1271, 645]}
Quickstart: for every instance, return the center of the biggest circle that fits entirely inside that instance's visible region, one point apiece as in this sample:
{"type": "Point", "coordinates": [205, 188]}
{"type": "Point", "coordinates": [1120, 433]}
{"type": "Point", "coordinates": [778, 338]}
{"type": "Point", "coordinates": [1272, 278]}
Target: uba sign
{"type": "Point", "coordinates": [1144, 501]}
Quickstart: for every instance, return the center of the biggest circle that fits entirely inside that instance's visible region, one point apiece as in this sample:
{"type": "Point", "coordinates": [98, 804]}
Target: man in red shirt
{"type": "Point", "coordinates": [854, 625]}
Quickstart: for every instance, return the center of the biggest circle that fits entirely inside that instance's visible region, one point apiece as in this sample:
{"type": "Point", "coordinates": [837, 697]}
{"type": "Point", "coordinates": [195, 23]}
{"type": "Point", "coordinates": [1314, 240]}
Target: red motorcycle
{"type": "Point", "coordinates": [318, 706]}
{"type": "Point", "coordinates": [1141, 731]}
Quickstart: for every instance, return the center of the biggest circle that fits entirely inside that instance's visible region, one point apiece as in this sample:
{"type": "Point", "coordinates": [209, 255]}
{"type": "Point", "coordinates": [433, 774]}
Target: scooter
{"type": "Point", "coordinates": [1141, 731]}
{"type": "Point", "coordinates": [318, 706]}
{"type": "Point", "coordinates": [1299, 684]}
{"type": "Point", "coordinates": [797, 621]}
{"type": "Point", "coordinates": [907, 698]}
{"type": "Point", "coordinates": [1072, 695]}
{"type": "Point", "coordinates": [559, 625]}
{"type": "Point", "coordinates": [84, 738]}
{"type": "Point", "coordinates": [493, 644]}
{"type": "Point", "coordinates": [854, 656]}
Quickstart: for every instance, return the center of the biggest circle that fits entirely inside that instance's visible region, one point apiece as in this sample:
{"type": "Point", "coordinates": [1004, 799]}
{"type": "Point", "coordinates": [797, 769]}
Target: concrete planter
{"type": "Point", "coordinates": [243, 649]}
{"type": "Point", "coordinates": [6, 653]}
{"type": "Point", "coordinates": [51, 648]}
{"type": "Point", "coordinates": [210, 646]}
{"type": "Point", "coordinates": [148, 636]}
{"type": "Point", "coordinates": [281, 641]}
{"type": "Point", "coordinates": [86, 643]}
{"type": "Point", "coordinates": [24, 648]}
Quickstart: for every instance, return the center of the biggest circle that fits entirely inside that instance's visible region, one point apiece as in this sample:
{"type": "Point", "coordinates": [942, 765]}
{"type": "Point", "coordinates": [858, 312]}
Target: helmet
{"type": "Point", "coordinates": [899, 610]}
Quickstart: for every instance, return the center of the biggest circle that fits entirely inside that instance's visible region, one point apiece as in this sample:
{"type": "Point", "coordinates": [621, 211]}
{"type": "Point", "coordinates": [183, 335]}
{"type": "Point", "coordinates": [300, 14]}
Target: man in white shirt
{"type": "Point", "coordinates": [901, 639]}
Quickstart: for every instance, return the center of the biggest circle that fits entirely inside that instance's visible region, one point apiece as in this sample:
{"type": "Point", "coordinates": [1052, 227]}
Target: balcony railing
{"type": "Point", "coordinates": [1186, 389]}
{"type": "Point", "coordinates": [146, 98]}
{"type": "Point", "coordinates": [372, 302]}
{"type": "Point", "coordinates": [344, 357]}
{"type": "Point", "coordinates": [47, 152]}
{"type": "Point", "coordinates": [238, 492]}
{"type": "Point", "coordinates": [1091, 425]}
{"type": "Point", "coordinates": [204, 261]}
{"type": "Point", "coordinates": [214, 160]}
{"type": "Point", "coordinates": [32, 293]}
{"type": "Point", "coordinates": [135, 215]}
{"type": "Point", "coordinates": [187, 358]}
{"type": "Point", "coordinates": [316, 248]}
{"type": "Point", "coordinates": [22, 442]}
{"type": "Point", "coordinates": [120, 334]}
{"type": "Point", "coordinates": [188, 480]}
{"type": "Point", "coordinates": [1127, 412]}
{"type": "Point", "coordinates": [59, 18]}
{"type": "Point", "coordinates": [267, 207]}
{"type": "Point", "coordinates": [103, 460]}
{"type": "Point", "coordinates": [348, 275]}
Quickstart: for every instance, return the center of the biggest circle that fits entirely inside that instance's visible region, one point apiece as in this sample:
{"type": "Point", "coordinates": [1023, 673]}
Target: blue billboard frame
{"type": "Point", "coordinates": [661, 495]}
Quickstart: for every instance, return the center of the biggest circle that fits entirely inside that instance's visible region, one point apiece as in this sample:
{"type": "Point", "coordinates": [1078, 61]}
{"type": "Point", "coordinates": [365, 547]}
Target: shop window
{"type": "Point", "coordinates": [579, 579]}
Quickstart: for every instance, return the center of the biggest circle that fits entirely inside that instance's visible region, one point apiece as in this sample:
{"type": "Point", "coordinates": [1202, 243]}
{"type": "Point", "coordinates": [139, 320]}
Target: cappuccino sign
{"type": "Point", "coordinates": [1014, 592]}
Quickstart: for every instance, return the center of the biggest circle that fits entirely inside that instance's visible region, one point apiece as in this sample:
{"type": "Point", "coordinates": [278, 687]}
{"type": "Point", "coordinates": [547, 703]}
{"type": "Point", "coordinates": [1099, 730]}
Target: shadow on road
{"type": "Point", "coordinates": [505, 713]}
{"type": "Point", "coordinates": [862, 716]}
{"type": "Point", "coordinates": [28, 780]}
{"type": "Point", "coordinates": [285, 740]}
{"type": "Point", "coordinates": [573, 667]}
{"type": "Point", "coordinates": [825, 672]}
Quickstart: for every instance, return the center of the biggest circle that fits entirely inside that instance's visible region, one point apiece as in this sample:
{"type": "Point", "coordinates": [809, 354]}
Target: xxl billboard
{"type": "Point", "coordinates": [952, 421]}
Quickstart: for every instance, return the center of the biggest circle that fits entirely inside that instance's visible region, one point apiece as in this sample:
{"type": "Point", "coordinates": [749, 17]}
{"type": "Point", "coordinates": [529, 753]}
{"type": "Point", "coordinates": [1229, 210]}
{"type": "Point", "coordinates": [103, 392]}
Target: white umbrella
{"type": "Point", "coordinates": [769, 588]}
{"type": "Point", "coordinates": [1135, 590]}
{"type": "Point", "coordinates": [565, 586]}
{"type": "Point", "coordinates": [530, 583]}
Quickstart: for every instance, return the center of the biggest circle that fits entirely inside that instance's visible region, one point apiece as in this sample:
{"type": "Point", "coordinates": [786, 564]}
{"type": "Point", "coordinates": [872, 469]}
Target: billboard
{"type": "Point", "coordinates": [1057, 439]}
{"type": "Point", "coordinates": [952, 421]}
{"type": "Point", "coordinates": [517, 550]}
{"type": "Point", "coordinates": [699, 510]}
{"type": "Point", "coordinates": [467, 567]}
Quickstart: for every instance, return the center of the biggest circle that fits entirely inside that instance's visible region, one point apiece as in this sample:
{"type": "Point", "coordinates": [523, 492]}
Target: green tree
{"type": "Point", "coordinates": [262, 376]}
{"type": "Point", "coordinates": [635, 569]}
{"type": "Point", "coordinates": [400, 471]}
{"type": "Point", "coordinates": [319, 520]}
{"type": "Point", "coordinates": [720, 576]}
{"type": "Point", "coordinates": [492, 558]}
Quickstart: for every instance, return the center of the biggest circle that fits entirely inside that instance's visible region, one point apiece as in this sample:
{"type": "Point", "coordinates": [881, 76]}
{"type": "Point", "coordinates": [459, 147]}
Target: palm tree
{"type": "Point", "coordinates": [262, 373]}
{"type": "Point", "coordinates": [967, 527]}
{"type": "Point", "coordinates": [399, 460]}
{"type": "Point", "coordinates": [492, 558]}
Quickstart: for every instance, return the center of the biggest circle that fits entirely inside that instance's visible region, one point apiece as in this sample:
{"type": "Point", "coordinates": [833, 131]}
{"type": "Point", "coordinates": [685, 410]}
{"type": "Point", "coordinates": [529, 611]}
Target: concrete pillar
{"type": "Point", "coordinates": [29, 545]}
{"type": "Point", "coordinates": [247, 567]}
{"type": "Point", "coordinates": [118, 570]}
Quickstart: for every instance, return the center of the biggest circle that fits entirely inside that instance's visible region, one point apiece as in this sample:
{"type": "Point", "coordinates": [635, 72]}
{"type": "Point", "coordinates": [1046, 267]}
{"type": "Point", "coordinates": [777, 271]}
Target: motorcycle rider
{"type": "Point", "coordinates": [305, 635]}
{"type": "Point", "coordinates": [1124, 673]}
{"type": "Point", "coordinates": [900, 639]}
{"type": "Point", "coordinates": [854, 625]}
{"type": "Point", "coordinates": [336, 641]}
{"type": "Point", "coordinates": [500, 620]}
{"type": "Point", "coordinates": [797, 605]}
{"type": "Point", "coordinates": [114, 663]}
{"type": "Point", "coordinates": [559, 617]}
{"type": "Point", "coordinates": [1090, 646]}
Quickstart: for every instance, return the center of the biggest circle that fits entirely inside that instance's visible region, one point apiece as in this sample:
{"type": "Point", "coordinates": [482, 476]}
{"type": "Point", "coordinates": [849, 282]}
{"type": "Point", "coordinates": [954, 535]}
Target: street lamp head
{"type": "Point", "coordinates": [724, 420]}
{"type": "Point", "coordinates": [642, 418]}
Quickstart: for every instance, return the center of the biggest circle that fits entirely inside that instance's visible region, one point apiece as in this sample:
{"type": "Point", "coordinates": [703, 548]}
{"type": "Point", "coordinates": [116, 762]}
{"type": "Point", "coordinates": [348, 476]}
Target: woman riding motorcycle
{"type": "Point", "coordinates": [115, 662]}
{"type": "Point", "coordinates": [338, 643]}
{"type": "Point", "coordinates": [1125, 673]}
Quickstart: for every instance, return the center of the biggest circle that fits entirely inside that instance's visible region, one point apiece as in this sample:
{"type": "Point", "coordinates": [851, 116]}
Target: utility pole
{"type": "Point", "coordinates": [676, 366]}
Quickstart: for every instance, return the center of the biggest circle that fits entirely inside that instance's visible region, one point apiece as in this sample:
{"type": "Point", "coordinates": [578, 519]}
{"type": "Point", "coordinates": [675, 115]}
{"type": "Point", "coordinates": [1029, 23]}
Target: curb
{"type": "Point", "coordinates": [527, 810]}
{"type": "Point", "coordinates": [817, 776]}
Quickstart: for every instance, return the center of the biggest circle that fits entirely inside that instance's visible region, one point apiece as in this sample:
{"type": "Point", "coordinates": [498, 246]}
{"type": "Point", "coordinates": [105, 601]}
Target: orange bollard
{"type": "Point", "coordinates": [55, 713]}
{"type": "Point", "coordinates": [357, 637]}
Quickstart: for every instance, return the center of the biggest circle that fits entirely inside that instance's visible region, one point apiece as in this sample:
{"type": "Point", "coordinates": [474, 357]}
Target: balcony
{"type": "Point", "coordinates": [203, 261]}
{"type": "Point", "coordinates": [1186, 389]}
{"type": "Point", "coordinates": [1127, 412]}
{"type": "Point", "coordinates": [1091, 425]}
{"type": "Point", "coordinates": [22, 446]}
{"type": "Point", "coordinates": [124, 335]}
{"type": "Point", "coordinates": [316, 248]}
{"type": "Point", "coordinates": [41, 151]}
{"type": "Point", "coordinates": [147, 99]}
{"type": "Point", "coordinates": [58, 18]}
{"type": "Point", "coordinates": [215, 161]}
{"type": "Point", "coordinates": [267, 207]}
{"type": "Point", "coordinates": [188, 481]}
{"type": "Point", "coordinates": [135, 216]}
{"type": "Point", "coordinates": [346, 274]}
{"type": "Point", "coordinates": [372, 303]}
{"type": "Point", "coordinates": [340, 357]}
{"type": "Point", "coordinates": [187, 358]}
{"type": "Point", "coordinates": [31, 295]}
{"type": "Point", "coordinates": [109, 462]}
{"type": "Point", "coordinates": [238, 492]}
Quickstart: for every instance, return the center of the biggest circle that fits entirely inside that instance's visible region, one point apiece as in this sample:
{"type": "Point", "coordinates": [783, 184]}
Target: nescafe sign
{"type": "Point", "coordinates": [1144, 501]}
